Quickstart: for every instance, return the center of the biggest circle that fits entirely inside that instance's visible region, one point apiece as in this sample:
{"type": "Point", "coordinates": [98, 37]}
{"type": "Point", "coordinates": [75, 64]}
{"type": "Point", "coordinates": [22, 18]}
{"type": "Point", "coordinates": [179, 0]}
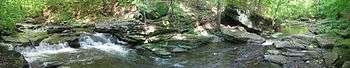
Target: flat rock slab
{"type": "Point", "coordinates": [276, 58]}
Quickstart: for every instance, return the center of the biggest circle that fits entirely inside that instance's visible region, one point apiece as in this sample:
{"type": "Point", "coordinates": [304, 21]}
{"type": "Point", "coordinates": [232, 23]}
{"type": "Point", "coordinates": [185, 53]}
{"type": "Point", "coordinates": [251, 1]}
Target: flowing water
{"type": "Point", "coordinates": [104, 51]}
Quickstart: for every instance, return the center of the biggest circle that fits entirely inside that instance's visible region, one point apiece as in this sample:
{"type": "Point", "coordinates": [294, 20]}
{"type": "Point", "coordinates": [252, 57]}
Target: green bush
{"type": "Point", "coordinates": [333, 8]}
{"type": "Point", "coordinates": [13, 11]}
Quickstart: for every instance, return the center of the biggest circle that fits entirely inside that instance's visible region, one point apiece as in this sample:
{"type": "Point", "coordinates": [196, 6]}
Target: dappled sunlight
{"type": "Point", "coordinates": [179, 37]}
{"type": "Point", "coordinates": [149, 29]}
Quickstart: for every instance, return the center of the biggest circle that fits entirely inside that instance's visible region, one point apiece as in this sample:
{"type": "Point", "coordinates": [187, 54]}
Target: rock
{"type": "Point", "coordinates": [158, 49]}
{"type": "Point", "coordinates": [178, 49]}
{"type": "Point", "coordinates": [325, 41]}
{"type": "Point", "coordinates": [276, 58]}
{"type": "Point", "coordinates": [11, 59]}
{"type": "Point", "coordinates": [131, 31]}
{"type": "Point", "coordinates": [285, 44]}
{"type": "Point", "coordinates": [301, 39]}
{"type": "Point", "coordinates": [58, 29]}
{"type": "Point", "coordinates": [268, 43]}
{"type": "Point", "coordinates": [274, 52]}
{"type": "Point", "coordinates": [253, 22]}
{"type": "Point", "coordinates": [51, 65]}
{"type": "Point", "coordinates": [26, 38]}
{"type": "Point", "coordinates": [346, 64]}
{"type": "Point", "coordinates": [330, 57]}
{"type": "Point", "coordinates": [267, 65]}
{"type": "Point", "coordinates": [22, 26]}
{"type": "Point", "coordinates": [235, 35]}
{"type": "Point", "coordinates": [60, 38]}
{"type": "Point", "coordinates": [293, 54]}
{"type": "Point", "coordinates": [176, 43]}
{"type": "Point", "coordinates": [276, 35]}
{"type": "Point", "coordinates": [74, 43]}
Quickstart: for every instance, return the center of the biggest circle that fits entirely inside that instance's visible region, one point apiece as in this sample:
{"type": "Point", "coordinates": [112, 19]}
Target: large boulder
{"type": "Point", "coordinates": [175, 43]}
{"type": "Point", "coordinates": [131, 31]}
{"type": "Point", "coordinates": [11, 59]}
{"type": "Point", "coordinates": [61, 38]}
{"type": "Point", "coordinates": [297, 42]}
{"type": "Point", "coordinates": [251, 21]}
{"type": "Point", "coordinates": [325, 41]}
{"type": "Point", "coordinates": [237, 35]}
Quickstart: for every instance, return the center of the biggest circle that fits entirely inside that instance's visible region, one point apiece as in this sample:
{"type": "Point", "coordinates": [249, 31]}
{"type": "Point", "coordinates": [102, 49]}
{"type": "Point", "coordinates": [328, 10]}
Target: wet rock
{"type": "Point", "coordinates": [11, 59]}
{"type": "Point", "coordinates": [274, 52]}
{"type": "Point", "coordinates": [178, 49]}
{"type": "Point", "coordinates": [176, 43]}
{"type": "Point", "coordinates": [276, 58]}
{"type": "Point", "coordinates": [158, 49]}
{"type": "Point", "coordinates": [268, 43]}
{"type": "Point", "coordinates": [302, 65]}
{"type": "Point", "coordinates": [285, 44]}
{"type": "Point", "coordinates": [131, 31]}
{"type": "Point", "coordinates": [267, 65]}
{"type": "Point", "coordinates": [293, 54]}
{"type": "Point", "coordinates": [58, 29]}
{"type": "Point", "coordinates": [346, 64]}
{"type": "Point", "coordinates": [235, 35]}
{"type": "Point", "coordinates": [60, 38]}
{"type": "Point", "coordinates": [74, 43]}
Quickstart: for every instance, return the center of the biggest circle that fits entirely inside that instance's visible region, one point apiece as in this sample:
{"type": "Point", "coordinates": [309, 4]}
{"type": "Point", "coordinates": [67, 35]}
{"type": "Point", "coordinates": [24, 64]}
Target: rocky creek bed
{"type": "Point", "coordinates": [134, 44]}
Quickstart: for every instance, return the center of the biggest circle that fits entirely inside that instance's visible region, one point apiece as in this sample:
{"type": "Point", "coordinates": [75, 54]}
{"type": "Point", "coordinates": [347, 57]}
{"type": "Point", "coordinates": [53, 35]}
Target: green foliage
{"type": "Point", "coordinates": [333, 8]}
{"type": "Point", "coordinates": [345, 42]}
{"type": "Point", "coordinates": [333, 26]}
{"type": "Point", "coordinates": [335, 13]}
{"type": "Point", "coordinates": [277, 9]}
{"type": "Point", "coordinates": [11, 12]}
{"type": "Point", "coordinates": [290, 30]}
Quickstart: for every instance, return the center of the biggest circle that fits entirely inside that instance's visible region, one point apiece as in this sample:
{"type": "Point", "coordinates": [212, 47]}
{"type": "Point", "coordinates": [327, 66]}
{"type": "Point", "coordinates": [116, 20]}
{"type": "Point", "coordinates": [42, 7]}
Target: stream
{"type": "Point", "coordinates": [101, 50]}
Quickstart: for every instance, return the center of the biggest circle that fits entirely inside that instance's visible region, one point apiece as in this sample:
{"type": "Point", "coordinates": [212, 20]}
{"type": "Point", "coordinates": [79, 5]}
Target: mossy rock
{"type": "Point", "coordinates": [60, 38]}
{"type": "Point", "coordinates": [292, 30]}
{"type": "Point", "coordinates": [344, 42]}
{"type": "Point", "coordinates": [11, 59]}
{"type": "Point", "coordinates": [175, 43]}
{"type": "Point", "coordinates": [26, 37]}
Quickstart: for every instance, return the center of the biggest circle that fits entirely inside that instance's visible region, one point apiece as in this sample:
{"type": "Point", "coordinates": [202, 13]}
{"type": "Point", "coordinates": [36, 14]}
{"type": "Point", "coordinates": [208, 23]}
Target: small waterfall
{"type": "Point", "coordinates": [103, 42]}
{"type": "Point", "coordinates": [98, 41]}
{"type": "Point", "coordinates": [35, 53]}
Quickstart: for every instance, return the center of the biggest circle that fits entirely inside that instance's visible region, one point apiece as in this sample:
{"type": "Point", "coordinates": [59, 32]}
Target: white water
{"type": "Point", "coordinates": [97, 41]}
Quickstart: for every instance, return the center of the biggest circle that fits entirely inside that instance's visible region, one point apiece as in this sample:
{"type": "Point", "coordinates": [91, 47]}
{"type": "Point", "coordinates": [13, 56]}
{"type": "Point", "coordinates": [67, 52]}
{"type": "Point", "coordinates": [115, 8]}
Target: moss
{"type": "Point", "coordinates": [291, 30]}
{"type": "Point", "coordinates": [11, 59]}
{"type": "Point", "coordinates": [58, 38]}
{"type": "Point", "coordinates": [344, 42]}
{"type": "Point", "coordinates": [25, 37]}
